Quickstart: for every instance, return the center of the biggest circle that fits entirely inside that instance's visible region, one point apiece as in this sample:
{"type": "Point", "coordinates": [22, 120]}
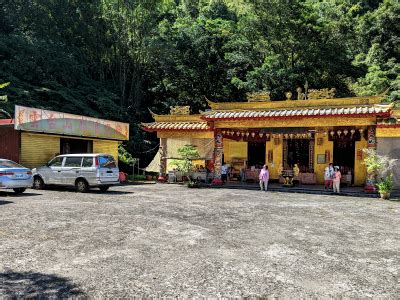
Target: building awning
{"type": "Point", "coordinates": [357, 111]}
{"type": "Point", "coordinates": [176, 126]}
{"type": "Point", "coordinates": [54, 122]}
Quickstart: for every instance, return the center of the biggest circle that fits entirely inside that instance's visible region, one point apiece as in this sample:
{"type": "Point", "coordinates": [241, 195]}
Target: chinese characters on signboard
{"type": "Point", "coordinates": [39, 120]}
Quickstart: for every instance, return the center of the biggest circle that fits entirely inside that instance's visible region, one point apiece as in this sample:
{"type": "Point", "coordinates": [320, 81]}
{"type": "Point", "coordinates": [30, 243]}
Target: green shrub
{"type": "Point", "coordinates": [385, 185]}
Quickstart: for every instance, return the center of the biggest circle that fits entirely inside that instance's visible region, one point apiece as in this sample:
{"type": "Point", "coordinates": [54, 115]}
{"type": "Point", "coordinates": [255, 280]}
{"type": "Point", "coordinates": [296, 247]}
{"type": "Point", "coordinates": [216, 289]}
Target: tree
{"type": "Point", "coordinates": [379, 32]}
{"type": "Point", "coordinates": [4, 99]}
{"type": "Point", "coordinates": [188, 153]}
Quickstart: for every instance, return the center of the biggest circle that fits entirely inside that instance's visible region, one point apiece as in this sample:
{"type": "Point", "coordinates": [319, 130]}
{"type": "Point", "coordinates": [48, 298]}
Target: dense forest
{"type": "Point", "coordinates": [118, 58]}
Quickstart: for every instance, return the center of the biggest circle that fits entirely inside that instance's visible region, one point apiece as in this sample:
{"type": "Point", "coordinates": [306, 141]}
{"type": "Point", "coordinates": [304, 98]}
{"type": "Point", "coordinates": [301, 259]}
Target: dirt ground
{"type": "Point", "coordinates": [162, 240]}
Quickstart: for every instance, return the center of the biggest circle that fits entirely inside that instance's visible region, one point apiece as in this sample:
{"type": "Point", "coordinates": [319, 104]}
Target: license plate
{"type": "Point", "coordinates": [19, 176]}
{"type": "Point", "coordinates": [110, 175]}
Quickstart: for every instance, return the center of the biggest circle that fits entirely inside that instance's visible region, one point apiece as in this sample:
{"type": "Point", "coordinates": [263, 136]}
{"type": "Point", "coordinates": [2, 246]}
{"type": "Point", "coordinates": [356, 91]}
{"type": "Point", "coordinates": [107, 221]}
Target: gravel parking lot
{"type": "Point", "coordinates": [167, 240]}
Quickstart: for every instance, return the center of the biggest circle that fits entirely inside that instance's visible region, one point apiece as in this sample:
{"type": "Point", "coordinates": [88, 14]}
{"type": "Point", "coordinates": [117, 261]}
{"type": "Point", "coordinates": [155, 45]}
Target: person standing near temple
{"type": "Point", "coordinates": [336, 180]}
{"type": "Point", "coordinates": [328, 175]}
{"type": "Point", "coordinates": [224, 172]}
{"type": "Point", "coordinates": [264, 178]}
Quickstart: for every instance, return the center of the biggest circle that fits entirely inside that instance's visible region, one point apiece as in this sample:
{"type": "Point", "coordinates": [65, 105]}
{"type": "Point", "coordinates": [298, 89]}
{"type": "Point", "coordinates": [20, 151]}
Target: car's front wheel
{"type": "Point", "coordinates": [19, 190]}
{"type": "Point", "coordinates": [81, 186]}
{"type": "Point", "coordinates": [38, 183]}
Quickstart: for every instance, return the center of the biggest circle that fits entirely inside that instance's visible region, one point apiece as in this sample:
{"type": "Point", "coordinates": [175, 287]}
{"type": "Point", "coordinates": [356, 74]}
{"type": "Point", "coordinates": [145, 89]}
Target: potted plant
{"type": "Point", "coordinates": [385, 186]}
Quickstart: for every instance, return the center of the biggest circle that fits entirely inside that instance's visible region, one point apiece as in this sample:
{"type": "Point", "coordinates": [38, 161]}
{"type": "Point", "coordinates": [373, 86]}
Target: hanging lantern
{"type": "Point", "coordinates": [325, 133]}
{"type": "Point", "coordinates": [260, 135]}
{"type": "Point", "coordinates": [267, 135]}
{"type": "Point", "coordinates": [339, 132]}
{"type": "Point", "coordinates": [345, 132]}
{"type": "Point", "coordinates": [291, 135]}
{"type": "Point", "coordinates": [232, 133]}
{"type": "Point", "coordinates": [309, 135]}
{"type": "Point", "coordinates": [247, 133]}
{"type": "Point", "coordinates": [253, 134]}
{"type": "Point", "coordinates": [242, 134]}
{"type": "Point", "coordinates": [361, 131]}
{"type": "Point", "coordinates": [285, 135]}
{"type": "Point", "coordinates": [332, 133]}
{"type": "Point", "coordinates": [237, 133]}
{"type": "Point", "coordinates": [352, 132]}
{"type": "Point", "coordinates": [223, 131]}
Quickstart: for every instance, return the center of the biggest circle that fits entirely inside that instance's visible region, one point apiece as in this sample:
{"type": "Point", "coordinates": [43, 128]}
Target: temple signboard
{"type": "Point", "coordinates": [46, 121]}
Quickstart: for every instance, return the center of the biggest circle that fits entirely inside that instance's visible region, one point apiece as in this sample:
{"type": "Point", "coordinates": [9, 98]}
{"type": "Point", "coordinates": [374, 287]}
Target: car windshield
{"type": "Point", "coordinates": [107, 162]}
{"type": "Point", "coordinates": [9, 164]}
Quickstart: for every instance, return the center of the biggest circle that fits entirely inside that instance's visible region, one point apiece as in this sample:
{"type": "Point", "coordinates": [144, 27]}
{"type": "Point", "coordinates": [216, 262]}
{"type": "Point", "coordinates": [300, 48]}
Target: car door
{"type": "Point", "coordinates": [53, 170]}
{"type": "Point", "coordinates": [71, 169]}
{"type": "Point", "coordinates": [108, 170]}
{"type": "Point", "coordinates": [88, 170]}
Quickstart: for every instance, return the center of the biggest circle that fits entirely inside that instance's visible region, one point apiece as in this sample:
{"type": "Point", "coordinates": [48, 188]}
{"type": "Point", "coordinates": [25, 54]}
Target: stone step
{"type": "Point", "coordinates": [304, 190]}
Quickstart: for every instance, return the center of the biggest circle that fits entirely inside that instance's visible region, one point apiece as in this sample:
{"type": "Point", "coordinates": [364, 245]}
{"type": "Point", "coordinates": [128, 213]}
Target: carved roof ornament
{"type": "Point", "coordinates": [260, 96]}
{"type": "Point", "coordinates": [288, 95]}
{"type": "Point", "coordinates": [300, 94]}
{"type": "Point", "coordinates": [179, 110]}
{"type": "Point", "coordinates": [321, 93]}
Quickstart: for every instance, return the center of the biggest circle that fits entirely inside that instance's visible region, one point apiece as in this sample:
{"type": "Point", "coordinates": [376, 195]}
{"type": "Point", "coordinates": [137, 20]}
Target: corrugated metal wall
{"type": "Point", "coordinates": [109, 147]}
{"type": "Point", "coordinates": [9, 143]}
{"type": "Point", "coordinates": [38, 149]}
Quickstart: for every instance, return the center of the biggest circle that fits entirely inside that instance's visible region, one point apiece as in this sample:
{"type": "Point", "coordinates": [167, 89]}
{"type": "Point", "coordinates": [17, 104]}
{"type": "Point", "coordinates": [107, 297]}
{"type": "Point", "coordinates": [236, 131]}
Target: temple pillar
{"type": "Point", "coordinates": [371, 177]}
{"type": "Point", "coordinates": [218, 154]}
{"type": "Point", "coordinates": [163, 159]}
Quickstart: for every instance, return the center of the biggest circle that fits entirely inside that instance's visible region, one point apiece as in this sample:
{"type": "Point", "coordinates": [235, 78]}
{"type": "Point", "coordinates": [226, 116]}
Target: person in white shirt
{"type": "Point", "coordinates": [328, 176]}
{"type": "Point", "coordinates": [224, 172]}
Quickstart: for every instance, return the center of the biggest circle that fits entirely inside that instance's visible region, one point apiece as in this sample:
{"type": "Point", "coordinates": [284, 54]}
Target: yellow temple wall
{"type": "Point", "coordinates": [190, 134]}
{"type": "Point", "coordinates": [277, 155]}
{"type": "Point", "coordinates": [360, 171]}
{"type": "Point", "coordinates": [234, 149]}
{"type": "Point", "coordinates": [319, 169]}
{"type": "Point", "coordinates": [388, 132]}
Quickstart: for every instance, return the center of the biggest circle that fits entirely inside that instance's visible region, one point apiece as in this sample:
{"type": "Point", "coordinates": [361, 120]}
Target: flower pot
{"type": "Point", "coordinates": [149, 177]}
{"type": "Point", "coordinates": [385, 195]}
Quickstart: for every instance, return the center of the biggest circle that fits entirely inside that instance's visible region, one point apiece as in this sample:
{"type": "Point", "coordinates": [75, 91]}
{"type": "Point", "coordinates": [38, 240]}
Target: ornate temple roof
{"type": "Point", "coordinates": [392, 122]}
{"type": "Point", "coordinates": [176, 126]}
{"type": "Point", "coordinates": [376, 110]}
{"type": "Point", "coordinates": [180, 118]}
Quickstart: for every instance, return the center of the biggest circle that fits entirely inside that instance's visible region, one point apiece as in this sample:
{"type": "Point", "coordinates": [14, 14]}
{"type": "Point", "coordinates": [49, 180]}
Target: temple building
{"type": "Point", "coordinates": [305, 134]}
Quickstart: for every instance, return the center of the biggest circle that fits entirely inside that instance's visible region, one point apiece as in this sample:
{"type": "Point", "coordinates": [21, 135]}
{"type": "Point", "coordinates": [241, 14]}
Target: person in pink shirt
{"type": "Point", "coordinates": [264, 177]}
{"type": "Point", "coordinates": [336, 180]}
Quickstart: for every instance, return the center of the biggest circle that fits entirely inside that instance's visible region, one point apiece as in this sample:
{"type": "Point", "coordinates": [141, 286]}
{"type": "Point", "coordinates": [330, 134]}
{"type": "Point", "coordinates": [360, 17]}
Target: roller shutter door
{"type": "Point", "coordinates": [38, 149]}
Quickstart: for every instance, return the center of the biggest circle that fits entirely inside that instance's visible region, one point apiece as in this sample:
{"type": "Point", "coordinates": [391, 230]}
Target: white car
{"type": "Point", "coordinates": [82, 171]}
{"type": "Point", "coordinates": [14, 176]}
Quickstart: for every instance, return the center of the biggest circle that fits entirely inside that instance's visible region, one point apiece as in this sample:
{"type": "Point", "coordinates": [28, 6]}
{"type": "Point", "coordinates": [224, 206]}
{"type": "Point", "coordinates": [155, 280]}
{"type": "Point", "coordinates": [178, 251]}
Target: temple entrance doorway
{"type": "Point", "coordinates": [256, 154]}
{"type": "Point", "coordinates": [343, 156]}
{"type": "Point", "coordinates": [298, 151]}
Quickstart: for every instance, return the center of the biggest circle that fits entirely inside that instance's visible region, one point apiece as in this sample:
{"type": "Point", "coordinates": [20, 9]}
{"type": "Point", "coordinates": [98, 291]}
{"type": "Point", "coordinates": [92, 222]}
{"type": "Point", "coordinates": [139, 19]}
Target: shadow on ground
{"type": "Point", "coordinates": [15, 195]}
{"type": "Point", "coordinates": [3, 202]}
{"type": "Point", "coordinates": [17, 285]}
{"type": "Point", "coordinates": [91, 191]}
